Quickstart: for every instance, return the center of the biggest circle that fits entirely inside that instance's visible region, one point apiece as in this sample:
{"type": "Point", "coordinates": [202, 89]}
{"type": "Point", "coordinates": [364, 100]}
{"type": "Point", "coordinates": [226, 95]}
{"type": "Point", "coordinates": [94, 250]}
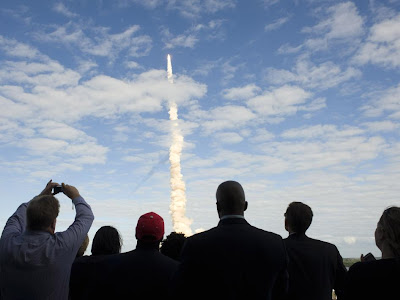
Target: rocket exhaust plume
{"type": "Point", "coordinates": [180, 222]}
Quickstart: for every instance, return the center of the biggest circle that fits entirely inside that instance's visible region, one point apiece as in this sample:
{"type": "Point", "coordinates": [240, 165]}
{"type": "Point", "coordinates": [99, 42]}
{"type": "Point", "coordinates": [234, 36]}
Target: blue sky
{"type": "Point", "coordinates": [297, 100]}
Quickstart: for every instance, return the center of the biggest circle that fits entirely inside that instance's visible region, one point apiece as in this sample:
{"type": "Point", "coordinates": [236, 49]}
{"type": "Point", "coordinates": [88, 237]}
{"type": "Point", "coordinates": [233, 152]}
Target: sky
{"type": "Point", "coordinates": [296, 100]}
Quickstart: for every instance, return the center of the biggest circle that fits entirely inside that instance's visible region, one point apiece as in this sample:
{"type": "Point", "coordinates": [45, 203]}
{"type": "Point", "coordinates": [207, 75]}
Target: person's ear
{"type": "Point", "coordinates": [53, 226]}
{"type": "Point", "coordinates": [246, 204]}
{"type": "Point", "coordinates": [379, 237]}
{"type": "Point", "coordinates": [218, 206]}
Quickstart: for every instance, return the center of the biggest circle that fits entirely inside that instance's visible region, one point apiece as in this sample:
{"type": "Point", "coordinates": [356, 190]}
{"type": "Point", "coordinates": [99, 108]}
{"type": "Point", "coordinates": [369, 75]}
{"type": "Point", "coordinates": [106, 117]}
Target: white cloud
{"type": "Point", "coordinates": [62, 9]}
{"type": "Point", "coordinates": [43, 101]}
{"type": "Point", "coordinates": [321, 131]}
{"type": "Point", "coordinates": [341, 23]}
{"type": "Point", "coordinates": [103, 43]}
{"type": "Point", "coordinates": [261, 135]}
{"type": "Point", "coordinates": [324, 76]}
{"type": "Point", "coordinates": [276, 24]}
{"type": "Point", "coordinates": [133, 65]}
{"type": "Point", "coordinates": [190, 37]}
{"type": "Point", "coordinates": [287, 49]}
{"type": "Point", "coordinates": [383, 44]}
{"type": "Point", "coordinates": [182, 40]}
{"type": "Point", "coordinates": [338, 152]}
{"type": "Point", "coordinates": [381, 126]}
{"type": "Point", "coordinates": [97, 97]}
{"type": "Point", "coordinates": [17, 49]}
{"type": "Point", "coordinates": [384, 102]}
{"type": "Point", "coordinates": [228, 138]}
{"type": "Point", "coordinates": [351, 240]}
{"type": "Point", "coordinates": [226, 117]}
{"type": "Point", "coordinates": [268, 3]}
{"type": "Point", "coordinates": [241, 93]}
{"type": "Point", "coordinates": [282, 101]}
{"type": "Point", "coordinates": [46, 73]}
{"type": "Point", "coordinates": [191, 9]}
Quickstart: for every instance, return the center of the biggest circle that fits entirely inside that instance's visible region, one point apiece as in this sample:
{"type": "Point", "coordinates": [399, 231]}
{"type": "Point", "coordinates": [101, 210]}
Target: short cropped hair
{"type": "Point", "coordinates": [107, 240]}
{"type": "Point", "coordinates": [298, 217]}
{"type": "Point", "coordinates": [390, 225]}
{"type": "Point", "coordinates": [41, 212]}
{"type": "Point", "coordinates": [172, 245]}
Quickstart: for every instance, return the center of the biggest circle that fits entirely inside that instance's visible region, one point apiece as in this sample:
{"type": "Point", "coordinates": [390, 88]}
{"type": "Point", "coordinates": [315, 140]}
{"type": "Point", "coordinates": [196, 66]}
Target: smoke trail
{"type": "Point", "coordinates": [163, 160]}
{"type": "Point", "coordinates": [178, 196]}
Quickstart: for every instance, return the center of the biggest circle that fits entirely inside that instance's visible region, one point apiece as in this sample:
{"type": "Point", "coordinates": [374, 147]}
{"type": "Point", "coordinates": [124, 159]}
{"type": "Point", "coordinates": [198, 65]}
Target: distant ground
{"type": "Point", "coordinates": [348, 262]}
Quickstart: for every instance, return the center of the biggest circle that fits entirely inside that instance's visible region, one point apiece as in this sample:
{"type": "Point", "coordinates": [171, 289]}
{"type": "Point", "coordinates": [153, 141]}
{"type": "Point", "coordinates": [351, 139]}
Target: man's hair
{"type": "Point", "coordinates": [41, 212]}
{"type": "Point", "coordinates": [106, 241]}
{"type": "Point", "coordinates": [298, 217]}
{"type": "Point", "coordinates": [172, 245]}
{"type": "Point", "coordinates": [390, 225]}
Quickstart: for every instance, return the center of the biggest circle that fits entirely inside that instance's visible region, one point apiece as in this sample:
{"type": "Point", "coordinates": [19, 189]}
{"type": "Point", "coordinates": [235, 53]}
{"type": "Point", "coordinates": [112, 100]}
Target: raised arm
{"type": "Point", "coordinates": [17, 222]}
{"type": "Point", "coordinates": [76, 232]}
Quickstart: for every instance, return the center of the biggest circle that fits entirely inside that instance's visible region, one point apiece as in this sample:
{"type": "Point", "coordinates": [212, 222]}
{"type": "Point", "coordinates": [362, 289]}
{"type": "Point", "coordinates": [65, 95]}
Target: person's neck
{"type": "Point", "coordinates": [148, 245]}
{"type": "Point", "coordinates": [225, 214]}
{"type": "Point", "coordinates": [387, 251]}
{"type": "Point", "coordinates": [48, 229]}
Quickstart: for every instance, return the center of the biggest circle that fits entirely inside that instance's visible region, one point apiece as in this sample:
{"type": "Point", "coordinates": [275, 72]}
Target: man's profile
{"type": "Point", "coordinates": [315, 267]}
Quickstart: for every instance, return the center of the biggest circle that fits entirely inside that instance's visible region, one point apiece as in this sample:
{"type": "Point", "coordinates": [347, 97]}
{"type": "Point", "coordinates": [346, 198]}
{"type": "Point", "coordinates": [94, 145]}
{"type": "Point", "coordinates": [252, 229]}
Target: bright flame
{"type": "Point", "coordinates": [178, 190]}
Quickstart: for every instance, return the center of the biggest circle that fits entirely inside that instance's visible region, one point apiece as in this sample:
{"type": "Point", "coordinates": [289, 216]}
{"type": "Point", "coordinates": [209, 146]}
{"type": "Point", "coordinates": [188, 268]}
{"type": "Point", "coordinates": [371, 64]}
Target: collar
{"type": "Point", "coordinates": [29, 232]}
{"type": "Point", "coordinates": [231, 217]}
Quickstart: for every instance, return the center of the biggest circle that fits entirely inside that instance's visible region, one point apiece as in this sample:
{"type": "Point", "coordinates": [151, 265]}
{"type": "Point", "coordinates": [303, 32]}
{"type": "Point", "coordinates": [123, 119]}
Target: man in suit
{"type": "Point", "coordinates": [315, 267]}
{"type": "Point", "coordinates": [143, 273]}
{"type": "Point", "coordinates": [233, 260]}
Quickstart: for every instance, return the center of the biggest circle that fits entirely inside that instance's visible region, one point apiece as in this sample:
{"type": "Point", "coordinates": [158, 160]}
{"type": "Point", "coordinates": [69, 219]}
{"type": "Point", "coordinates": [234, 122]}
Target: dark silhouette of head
{"type": "Point", "coordinates": [230, 199]}
{"type": "Point", "coordinates": [172, 245]}
{"type": "Point", "coordinates": [42, 212]}
{"type": "Point", "coordinates": [387, 233]}
{"type": "Point", "coordinates": [298, 217]}
{"type": "Point", "coordinates": [106, 241]}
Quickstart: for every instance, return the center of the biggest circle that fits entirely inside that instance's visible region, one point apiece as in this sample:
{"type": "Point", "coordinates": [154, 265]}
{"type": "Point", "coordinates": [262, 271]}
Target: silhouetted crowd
{"type": "Point", "coordinates": [233, 260]}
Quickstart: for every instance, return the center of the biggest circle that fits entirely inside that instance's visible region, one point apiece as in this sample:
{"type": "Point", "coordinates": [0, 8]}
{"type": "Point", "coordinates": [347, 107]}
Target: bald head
{"type": "Point", "coordinates": [230, 199]}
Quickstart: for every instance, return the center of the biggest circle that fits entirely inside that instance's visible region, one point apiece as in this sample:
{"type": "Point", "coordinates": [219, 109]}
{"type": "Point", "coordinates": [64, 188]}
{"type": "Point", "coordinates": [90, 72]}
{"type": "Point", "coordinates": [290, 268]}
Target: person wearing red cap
{"type": "Point", "coordinates": [143, 273]}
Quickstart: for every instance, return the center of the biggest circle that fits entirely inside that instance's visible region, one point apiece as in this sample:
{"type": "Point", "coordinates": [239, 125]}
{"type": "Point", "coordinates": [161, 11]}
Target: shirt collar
{"type": "Point", "coordinates": [231, 216]}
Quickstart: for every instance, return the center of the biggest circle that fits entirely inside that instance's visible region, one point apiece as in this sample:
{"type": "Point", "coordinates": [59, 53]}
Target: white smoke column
{"type": "Point", "coordinates": [178, 195]}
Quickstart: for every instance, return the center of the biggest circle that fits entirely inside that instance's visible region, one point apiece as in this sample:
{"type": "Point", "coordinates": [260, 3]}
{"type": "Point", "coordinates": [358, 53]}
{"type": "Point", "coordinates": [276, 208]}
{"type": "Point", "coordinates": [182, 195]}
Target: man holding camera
{"type": "Point", "coordinates": [35, 261]}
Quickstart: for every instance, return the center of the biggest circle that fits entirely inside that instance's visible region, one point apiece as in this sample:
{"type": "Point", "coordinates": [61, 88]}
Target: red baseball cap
{"type": "Point", "coordinates": [150, 227]}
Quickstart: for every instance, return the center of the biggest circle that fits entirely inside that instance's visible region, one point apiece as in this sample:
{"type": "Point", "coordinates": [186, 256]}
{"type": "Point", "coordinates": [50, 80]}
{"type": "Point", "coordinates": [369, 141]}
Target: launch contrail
{"type": "Point", "coordinates": [181, 223]}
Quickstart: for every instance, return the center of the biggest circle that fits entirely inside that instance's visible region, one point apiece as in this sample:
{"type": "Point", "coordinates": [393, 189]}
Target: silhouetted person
{"type": "Point", "coordinates": [172, 245]}
{"type": "Point", "coordinates": [106, 241]}
{"type": "Point", "coordinates": [35, 261]}
{"type": "Point", "coordinates": [315, 267]}
{"type": "Point", "coordinates": [143, 273]}
{"type": "Point", "coordinates": [233, 260]}
{"type": "Point", "coordinates": [378, 279]}
{"type": "Point", "coordinates": [85, 270]}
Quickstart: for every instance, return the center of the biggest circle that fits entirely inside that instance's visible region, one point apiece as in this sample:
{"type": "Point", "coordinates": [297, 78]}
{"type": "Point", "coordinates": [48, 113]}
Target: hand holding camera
{"type": "Point", "coordinates": [69, 190]}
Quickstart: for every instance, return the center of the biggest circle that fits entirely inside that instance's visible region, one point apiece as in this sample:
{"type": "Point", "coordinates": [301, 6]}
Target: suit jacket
{"type": "Point", "coordinates": [143, 273]}
{"type": "Point", "coordinates": [373, 280]}
{"type": "Point", "coordinates": [84, 272]}
{"type": "Point", "coordinates": [315, 268]}
{"type": "Point", "coordinates": [232, 261]}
